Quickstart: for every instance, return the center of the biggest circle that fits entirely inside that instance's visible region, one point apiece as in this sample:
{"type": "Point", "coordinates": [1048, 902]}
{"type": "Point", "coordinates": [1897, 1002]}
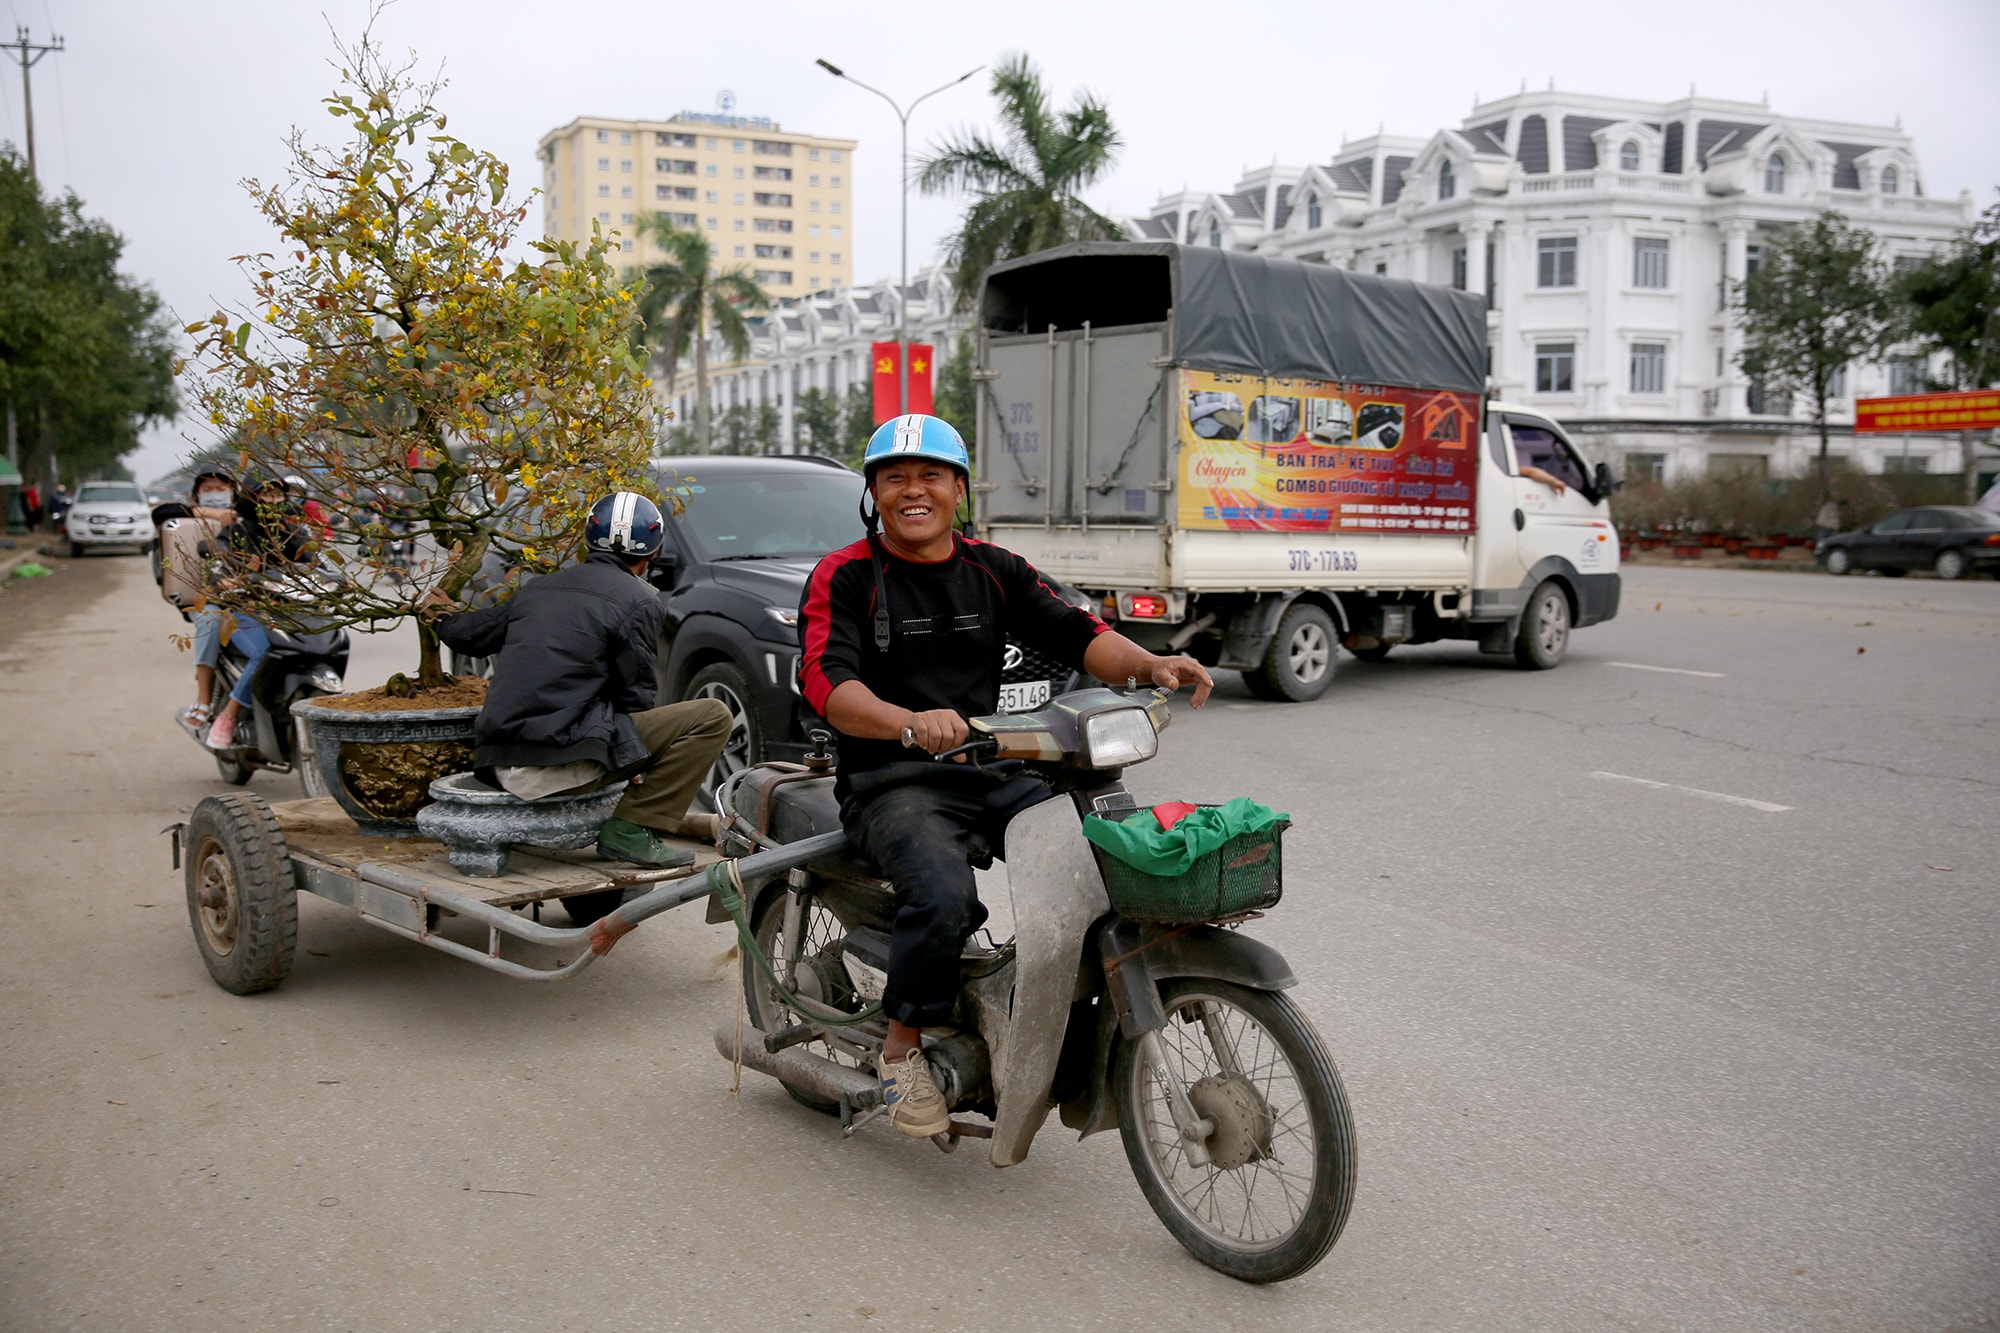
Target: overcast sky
{"type": "Point", "coordinates": [157, 109]}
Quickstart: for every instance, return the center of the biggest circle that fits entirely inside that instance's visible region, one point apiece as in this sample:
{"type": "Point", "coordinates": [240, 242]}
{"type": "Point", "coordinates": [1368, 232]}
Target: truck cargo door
{"type": "Point", "coordinates": [1024, 460]}
{"type": "Point", "coordinates": [1123, 418]}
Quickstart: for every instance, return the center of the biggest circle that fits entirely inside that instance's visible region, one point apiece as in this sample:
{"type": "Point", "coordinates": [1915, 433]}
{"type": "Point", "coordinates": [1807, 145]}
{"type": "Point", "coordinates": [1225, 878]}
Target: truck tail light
{"type": "Point", "coordinates": [1142, 606]}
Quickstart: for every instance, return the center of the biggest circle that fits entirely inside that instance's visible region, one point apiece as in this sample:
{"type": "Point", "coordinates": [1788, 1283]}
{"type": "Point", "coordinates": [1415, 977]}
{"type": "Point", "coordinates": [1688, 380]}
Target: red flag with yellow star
{"type": "Point", "coordinates": [888, 384]}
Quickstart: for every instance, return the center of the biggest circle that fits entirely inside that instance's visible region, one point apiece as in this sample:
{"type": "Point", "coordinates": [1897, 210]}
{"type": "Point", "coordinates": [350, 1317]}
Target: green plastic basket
{"type": "Point", "coordinates": [1245, 874]}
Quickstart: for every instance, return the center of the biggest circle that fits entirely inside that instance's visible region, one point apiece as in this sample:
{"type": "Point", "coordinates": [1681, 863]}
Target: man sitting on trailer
{"type": "Point", "coordinates": [571, 703]}
{"type": "Point", "coordinates": [903, 635]}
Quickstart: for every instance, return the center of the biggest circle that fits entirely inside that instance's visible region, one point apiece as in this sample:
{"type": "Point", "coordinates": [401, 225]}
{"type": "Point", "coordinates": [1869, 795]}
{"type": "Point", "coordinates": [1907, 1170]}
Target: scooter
{"type": "Point", "coordinates": [1121, 1001]}
{"type": "Point", "coordinates": [302, 664]}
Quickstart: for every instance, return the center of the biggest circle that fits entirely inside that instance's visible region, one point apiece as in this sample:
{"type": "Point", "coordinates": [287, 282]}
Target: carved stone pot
{"type": "Point", "coordinates": [479, 825]}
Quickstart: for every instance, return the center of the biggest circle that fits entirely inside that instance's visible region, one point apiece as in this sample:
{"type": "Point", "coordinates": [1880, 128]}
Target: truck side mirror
{"type": "Point", "coordinates": [665, 570]}
{"type": "Point", "coordinates": [1606, 484]}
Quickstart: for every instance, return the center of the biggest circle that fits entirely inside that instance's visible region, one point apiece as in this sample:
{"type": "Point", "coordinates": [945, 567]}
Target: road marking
{"type": "Point", "coordinates": [1766, 806]}
{"type": "Point", "coordinates": [1672, 671]}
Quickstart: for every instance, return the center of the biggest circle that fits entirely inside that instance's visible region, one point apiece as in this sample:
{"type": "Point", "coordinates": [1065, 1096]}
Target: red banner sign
{"type": "Point", "coordinates": [1977, 410]}
{"type": "Point", "coordinates": [888, 383]}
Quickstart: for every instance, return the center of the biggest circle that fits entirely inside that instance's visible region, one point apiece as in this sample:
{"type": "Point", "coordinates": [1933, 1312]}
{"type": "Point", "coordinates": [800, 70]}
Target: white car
{"type": "Point", "coordinates": [109, 513]}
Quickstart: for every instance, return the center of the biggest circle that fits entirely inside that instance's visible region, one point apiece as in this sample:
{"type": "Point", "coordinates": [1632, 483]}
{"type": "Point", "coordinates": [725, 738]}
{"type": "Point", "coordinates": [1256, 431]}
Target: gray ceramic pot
{"type": "Point", "coordinates": [380, 765]}
{"type": "Point", "coordinates": [480, 825]}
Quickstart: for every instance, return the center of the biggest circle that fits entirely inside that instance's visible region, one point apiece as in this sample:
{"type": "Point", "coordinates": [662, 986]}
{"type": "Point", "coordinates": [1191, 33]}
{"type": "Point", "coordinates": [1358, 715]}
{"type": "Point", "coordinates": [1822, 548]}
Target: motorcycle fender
{"type": "Point", "coordinates": [1058, 894]}
{"type": "Point", "coordinates": [1204, 951]}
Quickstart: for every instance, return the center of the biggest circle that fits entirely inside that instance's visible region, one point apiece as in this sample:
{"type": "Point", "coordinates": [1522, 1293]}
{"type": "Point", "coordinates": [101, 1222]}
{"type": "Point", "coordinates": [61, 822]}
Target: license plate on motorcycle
{"type": "Point", "coordinates": [1024, 696]}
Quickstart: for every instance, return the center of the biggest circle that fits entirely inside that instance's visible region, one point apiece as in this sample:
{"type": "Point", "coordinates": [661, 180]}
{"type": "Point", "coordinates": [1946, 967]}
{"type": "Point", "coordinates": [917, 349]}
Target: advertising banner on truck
{"type": "Point", "coordinates": [1266, 454]}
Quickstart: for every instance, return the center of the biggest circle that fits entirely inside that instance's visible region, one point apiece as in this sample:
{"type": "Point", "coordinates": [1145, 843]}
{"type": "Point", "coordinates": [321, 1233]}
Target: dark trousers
{"type": "Point", "coordinates": [920, 835]}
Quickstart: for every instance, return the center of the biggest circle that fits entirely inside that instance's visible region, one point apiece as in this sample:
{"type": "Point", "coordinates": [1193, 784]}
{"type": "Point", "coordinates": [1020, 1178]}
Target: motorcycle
{"type": "Point", "coordinates": [304, 663]}
{"type": "Point", "coordinates": [1115, 1004]}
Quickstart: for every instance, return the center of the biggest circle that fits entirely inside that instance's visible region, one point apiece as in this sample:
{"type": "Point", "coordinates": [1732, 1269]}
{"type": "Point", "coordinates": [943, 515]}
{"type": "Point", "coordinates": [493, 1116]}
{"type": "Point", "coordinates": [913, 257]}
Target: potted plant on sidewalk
{"type": "Point", "coordinates": [438, 394]}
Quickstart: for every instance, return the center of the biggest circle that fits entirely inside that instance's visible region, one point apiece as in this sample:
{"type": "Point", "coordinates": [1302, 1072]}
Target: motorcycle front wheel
{"type": "Point", "coordinates": [1275, 1194]}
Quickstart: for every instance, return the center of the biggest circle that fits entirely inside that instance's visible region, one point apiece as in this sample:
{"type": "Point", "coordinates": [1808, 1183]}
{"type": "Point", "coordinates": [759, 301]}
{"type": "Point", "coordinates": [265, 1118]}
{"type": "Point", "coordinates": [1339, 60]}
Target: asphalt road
{"type": "Point", "coordinates": [1664, 986]}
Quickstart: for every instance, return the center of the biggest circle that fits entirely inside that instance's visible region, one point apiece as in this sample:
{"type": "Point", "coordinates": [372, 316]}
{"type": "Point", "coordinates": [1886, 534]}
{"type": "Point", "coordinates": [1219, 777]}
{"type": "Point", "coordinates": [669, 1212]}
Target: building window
{"type": "Point", "coordinates": [625, 246]}
{"type": "Point", "coordinates": [625, 219]}
{"type": "Point", "coordinates": [737, 198]}
{"type": "Point", "coordinates": [833, 207]}
{"type": "Point", "coordinates": [709, 144]}
{"type": "Point", "coordinates": [834, 258]}
{"type": "Point", "coordinates": [674, 166]}
{"type": "Point", "coordinates": [1890, 180]}
{"type": "Point", "coordinates": [1214, 236]}
{"type": "Point", "coordinates": [833, 181]}
{"type": "Point", "coordinates": [813, 180]}
{"type": "Point", "coordinates": [773, 251]}
{"type": "Point", "coordinates": [604, 218]}
{"type": "Point", "coordinates": [1447, 182]}
{"type": "Point", "coordinates": [735, 145]}
{"type": "Point", "coordinates": [813, 280]}
{"type": "Point", "coordinates": [624, 136]}
{"type": "Point", "coordinates": [1381, 269]}
{"type": "Point", "coordinates": [1906, 375]}
{"type": "Point", "coordinates": [772, 173]}
{"type": "Point", "coordinates": [1312, 212]}
{"type": "Point", "coordinates": [773, 200]}
{"type": "Point", "coordinates": [1836, 383]}
{"type": "Point", "coordinates": [1645, 469]}
{"type": "Point", "coordinates": [739, 252]}
{"type": "Point", "coordinates": [1458, 269]}
{"type": "Point", "coordinates": [833, 232]}
{"type": "Point", "coordinates": [710, 171]}
{"type": "Point", "coordinates": [781, 277]}
{"type": "Point", "coordinates": [713, 197]}
{"type": "Point", "coordinates": [1628, 156]}
{"type": "Point", "coordinates": [604, 136]}
{"type": "Point", "coordinates": [1492, 280]}
{"type": "Point", "coordinates": [1898, 463]}
{"type": "Point", "coordinates": [712, 224]}
{"type": "Point", "coordinates": [1649, 262]}
{"type": "Point", "coordinates": [1764, 402]}
{"type": "Point", "coordinates": [1649, 367]}
{"type": "Point", "coordinates": [812, 154]}
{"type": "Point", "coordinates": [1555, 261]}
{"type": "Point", "coordinates": [737, 224]}
{"type": "Point", "coordinates": [624, 164]}
{"type": "Point", "coordinates": [664, 140]}
{"type": "Point", "coordinates": [604, 164]}
{"type": "Point", "coordinates": [624, 192]}
{"type": "Point", "coordinates": [604, 192]}
{"type": "Point", "coordinates": [773, 148]}
{"type": "Point", "coordinates": [833, 156]}
{"type": "Point", "coordinates": [813, 257]}
{"type": "Point", "coordinates": [1555, 367]}
{"type": "Point", "coordinates": [774, 224]}
{"type": "Point", "coordinates": [1774, 174]}
{"type": "Point", "coordinates": [685, 221]}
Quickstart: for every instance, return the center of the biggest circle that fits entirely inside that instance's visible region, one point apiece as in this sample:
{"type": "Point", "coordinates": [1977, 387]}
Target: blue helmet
{"type": "Point", "coordinates": [919, 436]}
{"type": "Point", "coordinates": [625, 523]}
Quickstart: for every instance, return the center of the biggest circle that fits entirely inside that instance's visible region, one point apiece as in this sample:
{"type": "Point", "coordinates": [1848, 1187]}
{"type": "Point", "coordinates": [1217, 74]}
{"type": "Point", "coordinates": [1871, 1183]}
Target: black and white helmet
{"type": "Point", "coordinates": [625, 523]}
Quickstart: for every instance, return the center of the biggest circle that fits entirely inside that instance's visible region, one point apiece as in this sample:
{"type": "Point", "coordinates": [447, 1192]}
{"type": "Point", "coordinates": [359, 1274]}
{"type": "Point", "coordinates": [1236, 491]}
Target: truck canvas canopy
{"type": "Point", "coordinates": [1250, 314]}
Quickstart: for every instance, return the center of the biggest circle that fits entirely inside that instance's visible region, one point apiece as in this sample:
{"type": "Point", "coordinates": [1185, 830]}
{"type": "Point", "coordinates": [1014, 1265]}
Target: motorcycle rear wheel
{"type": "Point", "coordinates": [1289, 1103]}
{"type": "Point", "coordinates": [821, 927]}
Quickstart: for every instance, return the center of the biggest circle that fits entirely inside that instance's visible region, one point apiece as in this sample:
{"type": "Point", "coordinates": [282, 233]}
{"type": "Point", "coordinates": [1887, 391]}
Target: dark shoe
{"type": "Point", "coordinates": [622, 840]}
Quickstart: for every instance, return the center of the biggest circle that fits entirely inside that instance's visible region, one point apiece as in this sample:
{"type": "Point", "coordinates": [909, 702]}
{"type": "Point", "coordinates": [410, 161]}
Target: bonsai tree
{"type": "Point", "coordinates": [395, 356]}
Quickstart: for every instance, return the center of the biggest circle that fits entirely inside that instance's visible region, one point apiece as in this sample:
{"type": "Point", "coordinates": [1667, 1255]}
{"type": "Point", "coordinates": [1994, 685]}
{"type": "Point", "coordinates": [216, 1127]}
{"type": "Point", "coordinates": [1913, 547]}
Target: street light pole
{"type": "Point", "coordinates": [903, 287]}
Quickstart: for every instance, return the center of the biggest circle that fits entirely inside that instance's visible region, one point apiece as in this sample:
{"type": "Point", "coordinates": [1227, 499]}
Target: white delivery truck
{"type": "Point", "coordinates": [1254, 460]}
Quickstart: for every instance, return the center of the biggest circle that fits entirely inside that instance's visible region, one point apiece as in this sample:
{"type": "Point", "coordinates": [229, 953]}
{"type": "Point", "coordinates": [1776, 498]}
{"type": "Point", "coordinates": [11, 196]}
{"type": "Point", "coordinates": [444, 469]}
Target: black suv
{"type": "Point", "coordinates": [732, 574]}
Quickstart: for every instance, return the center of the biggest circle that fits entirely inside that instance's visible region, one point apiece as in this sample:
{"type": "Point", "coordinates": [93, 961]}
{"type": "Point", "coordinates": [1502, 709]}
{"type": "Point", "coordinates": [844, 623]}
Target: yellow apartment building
{"type": "Point", "coordinates": [780, 204]}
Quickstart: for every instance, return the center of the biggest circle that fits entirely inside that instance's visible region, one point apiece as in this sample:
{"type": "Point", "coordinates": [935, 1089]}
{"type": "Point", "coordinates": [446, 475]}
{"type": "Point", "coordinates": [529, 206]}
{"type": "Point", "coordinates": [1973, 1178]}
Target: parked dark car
{"type": "Point", "coordinates": [1951, 540]}
{"type": "Point", "coordinates": [732, 574]}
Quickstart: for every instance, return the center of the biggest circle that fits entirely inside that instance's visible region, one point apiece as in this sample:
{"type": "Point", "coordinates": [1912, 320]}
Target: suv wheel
{"type": "Point", "coordinates": [725, 681]}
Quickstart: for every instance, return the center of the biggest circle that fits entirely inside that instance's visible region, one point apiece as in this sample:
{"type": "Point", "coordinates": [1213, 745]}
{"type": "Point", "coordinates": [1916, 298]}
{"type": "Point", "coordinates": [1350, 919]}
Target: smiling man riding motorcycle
{"type": "Point", "coordinates": [903, 636]}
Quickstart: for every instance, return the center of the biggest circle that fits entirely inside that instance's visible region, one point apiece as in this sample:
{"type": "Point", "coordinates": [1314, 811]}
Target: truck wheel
{"type": "Point", "coordinates": [241, 900]}
{"type": "Point", "coordinates": [1299, 664]}
{"type": "Point", "coordinates": [1544, 633]}
{"type": "Point", "coordinates": [727, 683]}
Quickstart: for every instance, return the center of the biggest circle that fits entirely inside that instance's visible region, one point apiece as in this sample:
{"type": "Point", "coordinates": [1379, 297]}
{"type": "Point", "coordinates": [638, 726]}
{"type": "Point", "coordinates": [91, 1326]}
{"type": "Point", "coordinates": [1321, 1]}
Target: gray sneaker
{"type": "Point", "coordinates": [916, 1107]}
{"type": "Point", "coordinates": [622, 840]}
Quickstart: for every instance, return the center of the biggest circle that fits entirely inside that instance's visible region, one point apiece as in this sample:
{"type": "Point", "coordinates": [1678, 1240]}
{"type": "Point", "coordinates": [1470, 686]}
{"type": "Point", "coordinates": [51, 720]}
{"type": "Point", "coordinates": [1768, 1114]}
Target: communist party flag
{"type": "Point", "coordinates": [888, 384]}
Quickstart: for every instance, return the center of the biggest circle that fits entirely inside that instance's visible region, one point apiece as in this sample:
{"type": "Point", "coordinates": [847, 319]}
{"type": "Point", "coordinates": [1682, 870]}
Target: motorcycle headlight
{"type": "Point", "coordinates": [327, 679]}
{"type": "Point", "coordinates": [1119, 736]}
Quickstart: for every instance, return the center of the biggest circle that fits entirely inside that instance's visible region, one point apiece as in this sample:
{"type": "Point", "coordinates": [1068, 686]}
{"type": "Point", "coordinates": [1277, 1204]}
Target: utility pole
{"type": "Point", "coordinates": [27, 53]}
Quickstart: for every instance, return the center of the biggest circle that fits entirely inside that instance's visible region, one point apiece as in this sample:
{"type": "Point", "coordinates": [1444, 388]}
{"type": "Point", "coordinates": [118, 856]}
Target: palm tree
{"type": "Point", "coordinates": [1026, 186]}
{"type": "Point", "coordinates": [685, 296]}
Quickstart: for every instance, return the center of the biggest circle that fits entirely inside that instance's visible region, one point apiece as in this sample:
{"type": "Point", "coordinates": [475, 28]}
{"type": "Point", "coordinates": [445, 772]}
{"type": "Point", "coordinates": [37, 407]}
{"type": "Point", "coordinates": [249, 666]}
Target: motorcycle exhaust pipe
{"type": "Point", "coordinates": [808, 1073]}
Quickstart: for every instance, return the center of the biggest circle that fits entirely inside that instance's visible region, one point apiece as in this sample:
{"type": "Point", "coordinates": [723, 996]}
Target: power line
{"type": "Point", "coordinates": [62, 108]}
{"type": "Point", "coordinates": [27, 54]}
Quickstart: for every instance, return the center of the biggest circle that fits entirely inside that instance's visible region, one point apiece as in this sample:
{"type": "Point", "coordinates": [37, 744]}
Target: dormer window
{"type": "Point", "coordinates": [1447, 182]}
{"type": "Point", "coordinates": [1774, 174]}
{"type": "Point", "coordinates": [1890, 180]}
{"type": "Point", "coordinates": [1628, 156]}
{"type": "Point", "coordinates": [1312, 212]}
{"type": "Point", "coordinates": [1214, 235]}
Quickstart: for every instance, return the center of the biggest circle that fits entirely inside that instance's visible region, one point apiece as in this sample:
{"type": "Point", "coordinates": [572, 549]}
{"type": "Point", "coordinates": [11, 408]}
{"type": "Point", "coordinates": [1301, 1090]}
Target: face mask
{"type": "Point", "coordinates": [213, 499]}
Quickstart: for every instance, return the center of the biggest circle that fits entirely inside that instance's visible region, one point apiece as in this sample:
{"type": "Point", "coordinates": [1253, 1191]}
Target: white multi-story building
{"type": "Point", "coordinates": [1604, 232]}
{"type": "Point", "coordinates": [820, 341]}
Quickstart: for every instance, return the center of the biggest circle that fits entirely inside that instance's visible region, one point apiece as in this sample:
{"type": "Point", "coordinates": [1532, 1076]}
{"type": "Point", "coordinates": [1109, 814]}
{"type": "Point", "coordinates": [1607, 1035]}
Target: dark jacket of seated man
{"type": "Point", "coordinates": [579, 650]}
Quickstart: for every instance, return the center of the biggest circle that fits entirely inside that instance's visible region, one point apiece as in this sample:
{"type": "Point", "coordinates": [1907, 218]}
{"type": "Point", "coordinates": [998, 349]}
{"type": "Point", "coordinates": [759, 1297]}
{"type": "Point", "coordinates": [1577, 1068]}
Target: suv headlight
{"type": "Point", "coordinates": [784, 615]}
{"type": "Point", "coordinates": [1119, 736]}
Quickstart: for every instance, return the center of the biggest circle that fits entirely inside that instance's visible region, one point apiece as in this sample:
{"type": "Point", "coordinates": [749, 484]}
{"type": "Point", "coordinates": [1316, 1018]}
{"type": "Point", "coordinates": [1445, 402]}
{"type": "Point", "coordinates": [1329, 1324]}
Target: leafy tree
{"type": "Point", "coordinates": [685, 296]}
{"type": "Point", "coordinates": [393, 351]}
{"type": "Point", "coordinates": [750, 430]}
{"type": "Point", "coordinates": [86, 354]}
{"type": "Point", "coordinates": [957, 398]}
{"type": "Point", "coordinates": [816, 422]}
{"type": "Point", "coordinates": [1954, 308]}
{"type": "Point", "coordinates": [1025, 185]}
{"type": "Point", "coordinates": [857, 423]}
{"type": "Point", "coordinates": [1820, 300]}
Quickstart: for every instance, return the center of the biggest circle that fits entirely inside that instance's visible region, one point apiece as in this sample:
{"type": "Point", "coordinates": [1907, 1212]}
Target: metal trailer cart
{"type": "Point", "coordinates": [246, 862]}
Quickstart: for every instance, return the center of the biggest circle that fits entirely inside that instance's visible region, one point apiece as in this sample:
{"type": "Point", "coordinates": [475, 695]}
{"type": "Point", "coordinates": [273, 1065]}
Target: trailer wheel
{"type": "Point", "coordinates": [1544, 634]}
{"type": "Point", "coordinates": [241, 900]}
{"type": "Point", "coordinates": [1298, 666]}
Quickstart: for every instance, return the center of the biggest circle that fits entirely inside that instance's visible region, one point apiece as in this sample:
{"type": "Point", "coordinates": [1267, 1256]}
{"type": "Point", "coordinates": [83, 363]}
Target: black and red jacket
{"type": "Point", "coordinates": [949, 622]}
